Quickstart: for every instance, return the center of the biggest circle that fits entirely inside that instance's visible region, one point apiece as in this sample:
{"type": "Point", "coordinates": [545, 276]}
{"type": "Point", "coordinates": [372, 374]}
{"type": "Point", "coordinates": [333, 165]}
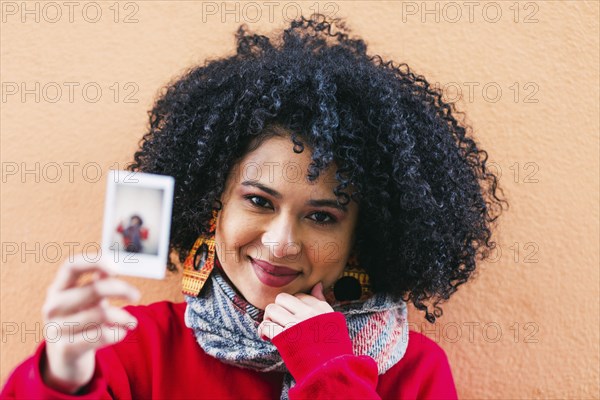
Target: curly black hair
{"type": "Point", "coordinates": [427, 200]}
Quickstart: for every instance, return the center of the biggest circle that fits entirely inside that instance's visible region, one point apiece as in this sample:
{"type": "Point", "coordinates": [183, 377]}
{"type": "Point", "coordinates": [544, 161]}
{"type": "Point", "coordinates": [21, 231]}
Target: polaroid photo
{"type": "Point", "coordinates": [137, 223]}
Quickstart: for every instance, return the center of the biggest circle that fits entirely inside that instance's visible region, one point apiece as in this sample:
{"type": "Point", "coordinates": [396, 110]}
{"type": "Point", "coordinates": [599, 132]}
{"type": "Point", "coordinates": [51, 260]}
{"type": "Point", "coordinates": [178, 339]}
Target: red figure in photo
{"type": "Point", "coordinates": [133, 234]}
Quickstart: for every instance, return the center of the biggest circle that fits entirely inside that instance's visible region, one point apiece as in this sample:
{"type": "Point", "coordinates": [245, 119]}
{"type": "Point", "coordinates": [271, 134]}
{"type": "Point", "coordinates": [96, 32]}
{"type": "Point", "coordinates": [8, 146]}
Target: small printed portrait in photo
{"type": "Point", "coordinates": [133, 234]}
{"type": "Point", "coordinates": [137, 219]}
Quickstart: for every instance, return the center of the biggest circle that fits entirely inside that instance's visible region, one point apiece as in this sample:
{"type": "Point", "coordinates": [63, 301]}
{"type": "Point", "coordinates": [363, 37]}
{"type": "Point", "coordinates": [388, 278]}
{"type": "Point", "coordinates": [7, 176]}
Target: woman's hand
{"type": "Point", "coordinates": [85, 322]}
{"type": "Point", "coordinates": [289, 310]}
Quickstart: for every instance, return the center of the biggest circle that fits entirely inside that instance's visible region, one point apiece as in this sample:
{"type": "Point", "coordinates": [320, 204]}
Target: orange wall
{"type": "Point", "coordinates": [527, 327]}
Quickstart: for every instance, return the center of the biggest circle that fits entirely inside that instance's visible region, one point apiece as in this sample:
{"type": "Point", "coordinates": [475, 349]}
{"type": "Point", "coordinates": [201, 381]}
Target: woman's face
{"type": "Point", "coordinates": [276, 232]}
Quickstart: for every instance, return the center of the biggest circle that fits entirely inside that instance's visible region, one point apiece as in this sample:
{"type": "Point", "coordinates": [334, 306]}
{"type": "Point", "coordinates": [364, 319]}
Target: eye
{"type": "Point", "coordinates": [324, 218]}
{"type": "Point", "coordinates": [257, 201]}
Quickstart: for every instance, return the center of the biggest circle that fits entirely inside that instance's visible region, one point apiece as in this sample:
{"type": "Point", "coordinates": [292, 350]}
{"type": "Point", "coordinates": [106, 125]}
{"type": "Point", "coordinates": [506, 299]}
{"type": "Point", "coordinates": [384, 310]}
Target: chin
{"type": "Point", "coordinates": [265, 295]}
{"type": "Point", "coordinates": [262, 302]}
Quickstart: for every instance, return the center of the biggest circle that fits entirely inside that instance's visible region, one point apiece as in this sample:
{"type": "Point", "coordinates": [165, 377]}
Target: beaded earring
{"type": "Point", "coordinates": [353, 285]}
{"type": "Point", "coordinates": [200, 261]}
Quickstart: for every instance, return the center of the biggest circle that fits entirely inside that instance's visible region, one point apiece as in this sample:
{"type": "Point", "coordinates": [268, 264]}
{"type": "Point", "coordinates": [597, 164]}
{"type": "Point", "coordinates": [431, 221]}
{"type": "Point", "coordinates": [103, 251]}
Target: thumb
{"type": "Point", "coordinates": [317, 291]}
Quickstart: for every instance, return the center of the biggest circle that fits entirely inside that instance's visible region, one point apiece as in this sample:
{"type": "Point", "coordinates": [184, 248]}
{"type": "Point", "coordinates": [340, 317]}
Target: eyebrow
{"type": "Point", "coordinates": [314, 203]}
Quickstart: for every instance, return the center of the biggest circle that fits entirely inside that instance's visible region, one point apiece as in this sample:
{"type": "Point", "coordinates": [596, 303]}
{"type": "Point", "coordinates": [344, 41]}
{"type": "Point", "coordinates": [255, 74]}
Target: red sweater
{"type": "Point", "coordinates": [160, 359]}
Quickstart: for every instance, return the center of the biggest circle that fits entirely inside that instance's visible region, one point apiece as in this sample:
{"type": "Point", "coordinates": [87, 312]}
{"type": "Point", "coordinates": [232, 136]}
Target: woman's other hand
{"type": "Point", "coordinates": [288, 310]}
{"type": "Point", "coordinates": [85, 322]}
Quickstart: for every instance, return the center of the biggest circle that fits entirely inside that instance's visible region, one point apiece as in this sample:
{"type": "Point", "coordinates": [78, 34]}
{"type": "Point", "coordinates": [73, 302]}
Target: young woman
{"type": "Point", "coordinates": [318, 190]}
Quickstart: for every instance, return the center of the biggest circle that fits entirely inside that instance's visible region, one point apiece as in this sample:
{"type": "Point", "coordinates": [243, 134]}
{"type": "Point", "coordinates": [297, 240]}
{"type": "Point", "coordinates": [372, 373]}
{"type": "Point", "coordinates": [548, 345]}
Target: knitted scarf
{"type": "Point", "coordinates": [225, 326]}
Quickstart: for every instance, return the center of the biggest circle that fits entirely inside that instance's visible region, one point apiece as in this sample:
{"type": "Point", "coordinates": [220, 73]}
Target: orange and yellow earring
{"type": "Point", "coordinates": [200, 261]}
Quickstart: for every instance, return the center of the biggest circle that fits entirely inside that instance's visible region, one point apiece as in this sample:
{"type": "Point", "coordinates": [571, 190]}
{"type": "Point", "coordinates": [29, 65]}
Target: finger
{"type": "Point", "coordinates": [276, 313]}
{"type": "Point", "coordinates": [268, 330]}
{"type": "Point", "coordinates": [94, 276]}
{"type": "Point", "coordinates": [309, 300]}
{"type": "Point", "coordinates": [79, 298]}
{"type": "Point", "coordinates": [76, 299]}
{"type": "Point", "coordinates": [290, 303]}
{"type": "Point", "coordinates": [70, 271]}
{"type": "Point", "coordinates": [317, 291]}
{"type": "Point", "coordinates": [100, 314]}
{"type": "Point", "coordinates": [260, 331]}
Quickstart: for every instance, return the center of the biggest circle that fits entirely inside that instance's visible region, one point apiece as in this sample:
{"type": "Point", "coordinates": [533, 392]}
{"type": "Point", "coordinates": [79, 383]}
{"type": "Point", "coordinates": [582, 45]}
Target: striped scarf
{"type": "Point", "coordinates": [225, 326]}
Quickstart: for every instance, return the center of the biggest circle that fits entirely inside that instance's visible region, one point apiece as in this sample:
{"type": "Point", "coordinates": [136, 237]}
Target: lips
{"type": "Point", "coordinates": [272, 275]}
{"type": "Point", "coordinates": [274, 270]}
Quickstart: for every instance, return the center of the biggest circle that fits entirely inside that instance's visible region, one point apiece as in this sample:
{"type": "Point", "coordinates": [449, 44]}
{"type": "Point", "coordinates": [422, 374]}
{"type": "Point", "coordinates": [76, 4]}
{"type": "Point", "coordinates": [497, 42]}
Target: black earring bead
{"type": "Point", "coordinates": [347, 288]}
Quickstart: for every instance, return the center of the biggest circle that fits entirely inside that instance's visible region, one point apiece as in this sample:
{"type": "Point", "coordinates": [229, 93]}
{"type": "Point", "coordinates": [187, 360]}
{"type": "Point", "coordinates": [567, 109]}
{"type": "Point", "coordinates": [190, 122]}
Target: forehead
{"type": "Point", "coordinates": [274, 161]}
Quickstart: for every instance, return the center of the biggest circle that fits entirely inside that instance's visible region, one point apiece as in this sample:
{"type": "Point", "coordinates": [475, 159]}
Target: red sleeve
{"type": "Point", "coordinates": [120, 228]}
{"type": "Point", "coordinates": [422, 373]}
{"type": "Point", "coordinates": [318, 354]}
{"type": "Point", "coordinates": [436, 381]}
{"type": "Point", "coordinates": [144, 233]}
{"type": "Point", "coordinates": [26, 382]}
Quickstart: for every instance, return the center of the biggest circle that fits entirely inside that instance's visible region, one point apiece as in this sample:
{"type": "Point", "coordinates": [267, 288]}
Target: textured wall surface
{"type": "Point", "coordinates": [527, 77]}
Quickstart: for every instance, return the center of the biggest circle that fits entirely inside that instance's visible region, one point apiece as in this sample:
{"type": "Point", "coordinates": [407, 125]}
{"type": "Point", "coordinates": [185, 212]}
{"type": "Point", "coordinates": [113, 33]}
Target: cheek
{"type": "Point", "coordinates": [330, 259]}
{"type": "Point", "coordinates": [332, 276]}
{"type": "Point", "coordinates": [233, 234]}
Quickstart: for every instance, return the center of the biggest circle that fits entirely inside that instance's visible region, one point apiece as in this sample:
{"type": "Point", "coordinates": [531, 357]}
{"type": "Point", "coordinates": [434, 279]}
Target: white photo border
{"type": "Point", "coordinates": [138, 264]}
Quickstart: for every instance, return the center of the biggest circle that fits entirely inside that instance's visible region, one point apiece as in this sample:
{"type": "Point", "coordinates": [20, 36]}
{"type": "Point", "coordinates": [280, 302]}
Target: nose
{"type": "Point", "coordinates": [282, 238]}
